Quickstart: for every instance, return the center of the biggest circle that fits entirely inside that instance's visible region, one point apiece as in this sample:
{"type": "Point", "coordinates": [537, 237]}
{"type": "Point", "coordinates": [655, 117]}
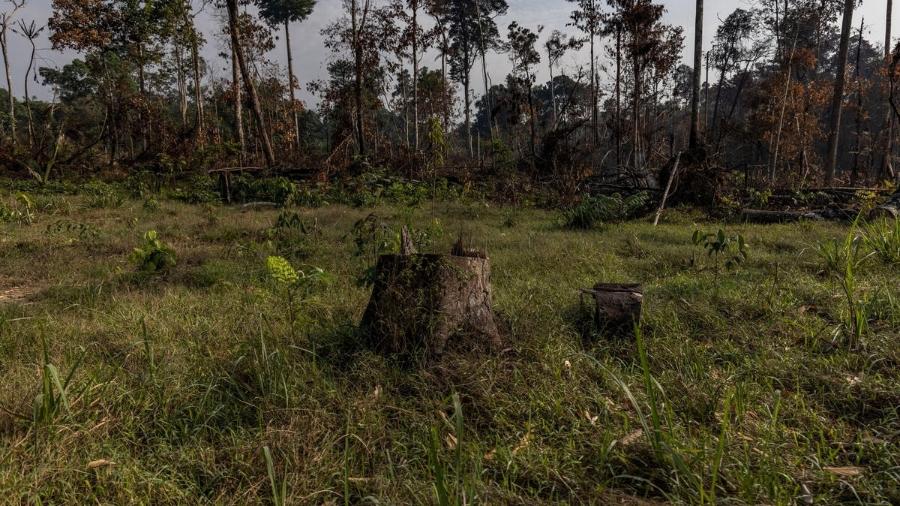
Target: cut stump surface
{"type": "Point", "coordinates": [617, 306]}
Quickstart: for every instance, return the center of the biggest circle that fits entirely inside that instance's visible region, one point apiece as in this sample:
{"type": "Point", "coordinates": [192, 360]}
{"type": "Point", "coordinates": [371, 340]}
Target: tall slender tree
{"type": "Point", "coordinates": [6, 21]}
{"type": "Point", "coordinates": [250, 87]}
{"type": "Point", "coordinates": [524, 56]}
{"type": "Point", "coordinates": [694, 140]}
{"type": "Point", "coordinates": [283, 13]}
{"type": "Point", "coordinates": [887, 166]}
{"type": "Point", "coordinates": [471, 29]}
{"type": "Point", "coordinates": [31, 32]}
{"type": "Point", "coordinates": [837, 101]}
{"type": "Point", "coordinates": [588, 18]}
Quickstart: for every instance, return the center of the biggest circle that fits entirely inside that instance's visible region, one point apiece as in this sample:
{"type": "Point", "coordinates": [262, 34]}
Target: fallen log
{"type": "Point", "coordinates": [617, 307]}
{"type": "Point", "coordinates": [424, 304]}
{"type": "Point", "coordinates": [760, 216]}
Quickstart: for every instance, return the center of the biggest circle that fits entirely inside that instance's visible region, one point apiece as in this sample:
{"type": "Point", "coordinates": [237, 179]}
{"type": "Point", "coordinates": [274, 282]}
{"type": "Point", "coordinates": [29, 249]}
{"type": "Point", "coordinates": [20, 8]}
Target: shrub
{"type": "Point", "coordinates": [22, 212]}
{"type": "Point", "coordinates": [883, 238]}
{"type": "Point", "coordinates": [292, 236]}
{"type": "Point", "coordinates": [732, 249]}
{"type": "Point", "coordinates": [593, 211]}
{"type": "Point", "coordinates": [154, 255]}
{"type": "Point", "coordinates": [292, 284]}
{"type": "Point", "coordinates": [99, 195]}
{"type": "Point", "coordinates": [279, 190]}
{"type": "Point", "coordinates": [200, 189]}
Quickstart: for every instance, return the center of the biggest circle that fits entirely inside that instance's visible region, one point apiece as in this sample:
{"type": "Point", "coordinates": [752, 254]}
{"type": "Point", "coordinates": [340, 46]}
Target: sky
{"type": "Point", "coordinates": [311, 56]}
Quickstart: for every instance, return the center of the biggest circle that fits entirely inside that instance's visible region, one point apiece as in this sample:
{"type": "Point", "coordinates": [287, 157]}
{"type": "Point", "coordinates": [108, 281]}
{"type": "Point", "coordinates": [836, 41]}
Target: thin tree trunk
{"type": "Point", "coordinates": [698, 63]}
{"type": "Point", "coordinates": [595, 131]}
{"type": "Point", "coordinates": [182, 85]}
{"type": "Point", "coordinates": [618, 95]}
{"type": "Point", "coordinates": [715, 127]}
{"type": "Point", "coordinates": [28, 97]}
{"type": "Point", "coordinates": [292, 83]}
{"type": "Point", "coordinates": [837, 101]}
{"type": "Point", "coordinates": [887, 167]}
{"type": "Point", "coordinates": [854, 175]}
{"type": "Point", "coordinates": [195, 62]}
{"type": "Point", "coordinates": [445, 93]}
{"type": "Point", "coordinates": [468, 113]}
{"type": "Point", "coordinates": [248, 81]}
{"type": "Point", "coordinates": [238, 102]}
{"type": "Point", "coordinates": [415, 62]}
{"type": "Point", "coordinates": [487, 87]}
{"type": "Point", "coordinates": [9, 87]}
{"type": "Point", "coordinates": [358, 84]}
{"type": "Point", "coordinates": [552, 90]}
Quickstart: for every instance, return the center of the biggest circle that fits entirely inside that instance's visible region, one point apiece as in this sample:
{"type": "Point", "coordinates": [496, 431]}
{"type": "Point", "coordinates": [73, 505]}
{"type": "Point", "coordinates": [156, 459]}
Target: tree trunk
{"type": "Point", "coordinates": [854, 175]}
{"type": "Point", "coordinates": [248, 81]}
{"type": "Point", "coordinates": [695, 85]}
{"type": "Point", "coordinates": [617, 307]}
{"type": "Point", "coordinates": [618, 95]}
{"type": "Point", "coordinates": [182, 85]}
{"type": "Point", "coordinates": [195, 61]}
{"type": "Point", "coordinates": [291, 84]}
{"type": "Point", "coordinates": [837, 101]}
{"type": "Point", "coordinates": [4, 43]}
{"type": "Point", "coordinates": [424, 305]}
{"type": "Point", "coordinates": [488, 95]}
{"type": "Point", "coordinates": [415, 62]}
{"type": "Point", "coordinates": [28, 97]}
{"type": "Point", "coordinates": [357, 81]}
{"type": "Point", "coordinates": [445, 93]}
{"type": "Point", "coordinates": [238, 103]}
{"type": "Point", "coordinates": [468, 113]}
{"type": "Point", "coordinates": [595, 129]}
{"type": "Point", "coordinates": [887, 167]}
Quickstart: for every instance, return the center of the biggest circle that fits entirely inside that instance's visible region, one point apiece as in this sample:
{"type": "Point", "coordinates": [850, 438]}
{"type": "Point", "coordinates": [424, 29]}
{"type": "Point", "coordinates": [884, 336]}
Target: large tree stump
{"type": "Point", "coordinates": [420, 303]}
{"type": "Point", "coordinates": [617, 307]}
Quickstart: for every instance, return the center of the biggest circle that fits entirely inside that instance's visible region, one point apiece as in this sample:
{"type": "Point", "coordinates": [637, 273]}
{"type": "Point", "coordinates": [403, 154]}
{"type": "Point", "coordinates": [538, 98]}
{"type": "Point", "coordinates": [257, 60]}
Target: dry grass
{"type": "Point", "coordinates": [746, 394]}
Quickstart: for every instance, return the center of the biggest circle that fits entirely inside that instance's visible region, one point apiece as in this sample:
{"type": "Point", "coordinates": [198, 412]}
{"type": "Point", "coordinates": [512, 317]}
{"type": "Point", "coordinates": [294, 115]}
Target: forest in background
{"type": "Point", "coordinates": [791, 95]}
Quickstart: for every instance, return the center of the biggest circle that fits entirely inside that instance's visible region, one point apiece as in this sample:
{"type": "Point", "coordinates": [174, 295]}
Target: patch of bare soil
{"type": "Point", "coordinates": [13, 293]}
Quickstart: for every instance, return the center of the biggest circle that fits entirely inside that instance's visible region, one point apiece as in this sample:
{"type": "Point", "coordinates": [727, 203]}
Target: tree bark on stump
{"type": "Point", "coordinates": [617, 307]}
{"type": "Point", "coordinates": [425, 304]}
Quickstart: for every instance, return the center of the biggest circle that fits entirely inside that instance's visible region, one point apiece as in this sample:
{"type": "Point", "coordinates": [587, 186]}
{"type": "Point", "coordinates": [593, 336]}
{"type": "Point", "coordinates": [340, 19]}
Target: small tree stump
{"type": "Point", "coordinates": [421, 302]}
{"type": "Point", "coordinates": [617, 307]}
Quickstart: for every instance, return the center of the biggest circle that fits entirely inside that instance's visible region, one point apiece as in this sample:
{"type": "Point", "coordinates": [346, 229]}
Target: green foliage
{"type": "Point", "coordinates": [279, 492]}
{"type": "Point", "coordinates": [22, 212]}
{"type": "Point", "coordinates": [732, 249]}
{"type": "Point", "coordinates": [758, 198]}
{"type": "Point", "coordinates": [102, 195]}
{"type": "Point", "coordinates": [281, 271]}
{"type": "Point", "coordinates": [597, 210]}
{"type": "Point", "coordinates": [843, 261]}
{"type": "Point", "coordinates": [294, 237]}
{"type": "Point", "coordinates": [291, 284]}
{"type": "Point", "coordinates": [373, 237]}
{"type": "Point", "coordinates": [883, 238]}
{"type": "Point", "coordinates": [153, 256]}
{"type": "Point", "coordinates": [278, 190]}
{"type": "Point", "coordinates": [52, 399]}
{"type": "Point", "coordinates": [199, 189]}
{"type": "Point", "coordinates": [81, 231]}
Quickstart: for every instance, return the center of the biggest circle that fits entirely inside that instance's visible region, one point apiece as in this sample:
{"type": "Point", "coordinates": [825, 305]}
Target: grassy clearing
{"type": "Point", "coordinates": [193, 386]}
